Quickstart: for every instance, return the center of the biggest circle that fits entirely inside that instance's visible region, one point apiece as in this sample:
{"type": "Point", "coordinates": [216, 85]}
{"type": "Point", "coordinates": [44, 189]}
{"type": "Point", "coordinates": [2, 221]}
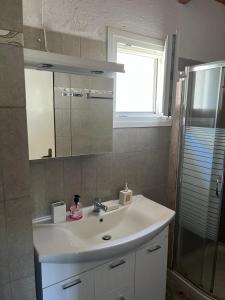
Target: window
{"type": "Point", "coordinates": [139, 91]}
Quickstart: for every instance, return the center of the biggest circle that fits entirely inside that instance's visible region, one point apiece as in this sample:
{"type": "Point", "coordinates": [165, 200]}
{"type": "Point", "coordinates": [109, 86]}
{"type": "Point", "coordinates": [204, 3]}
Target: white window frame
{"type": "Point", "coordinates": [133, 119]}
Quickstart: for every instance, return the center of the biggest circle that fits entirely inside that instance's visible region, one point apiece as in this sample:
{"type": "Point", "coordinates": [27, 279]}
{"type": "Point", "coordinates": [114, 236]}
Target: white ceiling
{"type": "Point", "coordinates": [200, 22]}
{"type": "Point", "coordinates": [91, 17]}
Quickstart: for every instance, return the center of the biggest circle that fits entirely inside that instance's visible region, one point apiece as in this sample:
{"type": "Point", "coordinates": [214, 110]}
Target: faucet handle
{"type": "Point", "coordinates": [98, 205]}
{"type": "Point", "coordinates": [97, 199]}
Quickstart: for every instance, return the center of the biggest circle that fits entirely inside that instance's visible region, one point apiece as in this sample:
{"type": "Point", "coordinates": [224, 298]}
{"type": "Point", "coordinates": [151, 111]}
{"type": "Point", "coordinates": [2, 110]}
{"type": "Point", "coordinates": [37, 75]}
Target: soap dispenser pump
{"type": "Point", "coordinates": [125, 195]}
{"type": "Point", "coordinates": [76, 209]}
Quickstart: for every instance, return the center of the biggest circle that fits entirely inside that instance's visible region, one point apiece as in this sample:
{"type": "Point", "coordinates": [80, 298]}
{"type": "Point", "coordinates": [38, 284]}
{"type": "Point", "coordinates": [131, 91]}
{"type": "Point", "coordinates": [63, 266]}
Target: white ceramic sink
{"type": "Point", "coordinates": [128, 226]}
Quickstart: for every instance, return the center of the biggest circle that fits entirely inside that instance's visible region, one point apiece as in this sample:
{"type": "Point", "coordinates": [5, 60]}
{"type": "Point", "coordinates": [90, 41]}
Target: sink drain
{"type": "Point", "coordinates": [106, 237]}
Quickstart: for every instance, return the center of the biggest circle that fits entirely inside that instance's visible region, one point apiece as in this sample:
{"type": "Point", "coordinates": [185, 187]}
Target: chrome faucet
{"type": "Point", "coordinates": [98, 206]}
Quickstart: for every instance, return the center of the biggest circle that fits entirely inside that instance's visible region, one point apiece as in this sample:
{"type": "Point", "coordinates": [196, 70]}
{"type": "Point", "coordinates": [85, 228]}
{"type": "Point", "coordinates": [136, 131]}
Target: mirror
{"type": "Point", "coordinates": [68, 114]}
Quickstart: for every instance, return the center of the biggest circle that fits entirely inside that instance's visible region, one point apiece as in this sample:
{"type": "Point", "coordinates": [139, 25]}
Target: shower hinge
{"type": "Point", "coordinates": [11, 38]}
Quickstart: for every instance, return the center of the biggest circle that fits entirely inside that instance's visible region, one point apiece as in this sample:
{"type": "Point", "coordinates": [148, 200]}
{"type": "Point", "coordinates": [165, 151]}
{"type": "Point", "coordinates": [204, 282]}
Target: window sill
{"type": "Point", "coordinates": [154, 122]}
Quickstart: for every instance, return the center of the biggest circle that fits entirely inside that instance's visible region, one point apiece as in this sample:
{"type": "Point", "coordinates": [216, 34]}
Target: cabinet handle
{"type": "Point", "coordinates": [77, 95]}
{"type": "Point", "coordinates": [99, 97]}
{"type": "Point", "coordinates": [157, 247]}
{"type": "Point", "coordinates": [68, 285]}
{"type": "Point", "coordinates": [49, 155]}
{"type": "Point", "coordinates": [121, 298]}
{"type": "Point", "coordinates": [115, 265]}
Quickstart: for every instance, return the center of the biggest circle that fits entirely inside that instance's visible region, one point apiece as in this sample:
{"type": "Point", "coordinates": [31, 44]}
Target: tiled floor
{"type": "Point", "coordinates": [174, 294]}
{"type": "Point", "coordinates": [219, 286]}
{"type": "Point", "coordinates": [194, 266]}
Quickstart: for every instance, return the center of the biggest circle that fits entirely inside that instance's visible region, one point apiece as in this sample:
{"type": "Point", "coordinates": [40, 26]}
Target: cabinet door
{"type": "Point", "coordinates": [92, 118]}
{"type": "Point", "coordinates": [76, 288]}
{"type": "Point", "coordinates": [112, 279]}
{"type": "Point", "coordinates": [120, 294]}
{"type": "Point", "coordinates": [150, 271]}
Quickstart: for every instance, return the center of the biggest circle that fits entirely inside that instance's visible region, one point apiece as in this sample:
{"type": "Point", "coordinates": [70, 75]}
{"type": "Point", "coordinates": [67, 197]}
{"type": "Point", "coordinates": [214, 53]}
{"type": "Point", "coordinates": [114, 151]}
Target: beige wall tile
{"type": "Point", "coordinates": [152, 168]}
{"type": "Point", "coordinates": [93, 49]}
{"type": "Point", "coordinates": [72, 178]}
{"type": "Point", "coordinates": [131, 171]}
{"type": "Point", "coordinates": [19, 238]}
{"type": "Point", "coordinates": [71, 45]}
{"type": "Point", "coordinates": [63, 146]}
{"type": "Point", "coordinates": [33, 38]}
{"type": "Point", "coordinates": [140, 139]}
{"type": "Point", "coordinates": [11, 15]}
{"type": "Point", "coordinates": [12, 76]}
{"type": "Point", "coordinates": [4, 271]}
{"type": "Point", "coordinates": [5, 292]}
{"type": "Point", "coordinates": [125, 140]}
{"type": "Point", "coordinates": [14, 152]}
{"type": "Point", "coordinates": [54, 41]}
{"type": "Point", "coordinates": [19, 229]}
{"type": "Point", "coordinates": [1, 184]}
{"type": "Point", "coordinates": [37, 190]}
{"type": "Point", "coordinates": [118, 175]}
{"type": "Point", "coordinates": [104, 176]}
{"type": "Point", "coordinates": [164, 135]}
{"type": "Point", "coordinates": [157, 194]}
{"type": "Point", "coordinates": [62, 123]}
{"type": "Point", "coordinates": [1, 192]}
{"type": "Point", "coordinates": [16, 243]}
{"type": "Point", "coordinates": [21, 267]}
{"type": "Point", "coordinates": [125, 169]}
{"type": "Point", "coordinates": [140, 157]}
{"type": "Point", "coordinates": [62, 80]}
{"type": "Point", "coordinates": [23, 289]}
{"type": "Point", "coordinates": [54, 190]}
{"type": "Point", "coordinates": [89, 175]}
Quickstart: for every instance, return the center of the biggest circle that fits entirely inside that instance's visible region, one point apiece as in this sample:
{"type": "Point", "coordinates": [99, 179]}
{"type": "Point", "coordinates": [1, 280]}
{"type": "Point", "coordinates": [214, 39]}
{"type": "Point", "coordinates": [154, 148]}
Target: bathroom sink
{"type": "Point", "coordinates": [103, 235]}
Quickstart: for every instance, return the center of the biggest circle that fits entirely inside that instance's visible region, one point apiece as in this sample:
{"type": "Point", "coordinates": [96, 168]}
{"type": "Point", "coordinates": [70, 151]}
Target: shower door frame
{"type": "Point", "coordinates": [184, 98]}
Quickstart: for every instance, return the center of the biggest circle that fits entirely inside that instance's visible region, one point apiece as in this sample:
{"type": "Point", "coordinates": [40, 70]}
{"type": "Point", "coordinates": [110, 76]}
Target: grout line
{"type": "Point", "coordinates": [13, 107]}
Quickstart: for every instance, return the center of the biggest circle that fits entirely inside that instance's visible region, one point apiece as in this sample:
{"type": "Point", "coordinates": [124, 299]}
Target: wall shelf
{"type": "Point", "coordinates": [41, 60]}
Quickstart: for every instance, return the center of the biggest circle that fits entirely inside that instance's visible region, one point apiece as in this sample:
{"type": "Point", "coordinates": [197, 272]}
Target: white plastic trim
{"type": "Point", "coordinates": [154, 122]}
{"type": "Point", "coordinates": [115, 36]}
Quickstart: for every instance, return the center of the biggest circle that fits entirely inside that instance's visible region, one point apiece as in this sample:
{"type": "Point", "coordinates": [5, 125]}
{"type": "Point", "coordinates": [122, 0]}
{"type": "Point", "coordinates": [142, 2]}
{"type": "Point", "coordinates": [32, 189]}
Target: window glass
{"type": "Point", "coordinates": [136, 88]}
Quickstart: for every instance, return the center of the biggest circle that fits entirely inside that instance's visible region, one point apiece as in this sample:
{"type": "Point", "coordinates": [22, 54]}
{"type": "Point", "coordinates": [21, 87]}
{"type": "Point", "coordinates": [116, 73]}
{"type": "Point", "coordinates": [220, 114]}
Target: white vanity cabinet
{"type": "Point", "coordinates": [138, 275]}
{"type": "Point", "coordinates": [75, 288]}
{"type": "Point", "coordinates": [114, 280]}
{"type": "Point", "coordinates": [151, 269]}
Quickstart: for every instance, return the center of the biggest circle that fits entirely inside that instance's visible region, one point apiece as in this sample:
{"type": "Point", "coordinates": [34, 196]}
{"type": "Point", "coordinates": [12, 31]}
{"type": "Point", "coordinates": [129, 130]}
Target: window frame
{"type": "Point", "coordinates": [134, 119]}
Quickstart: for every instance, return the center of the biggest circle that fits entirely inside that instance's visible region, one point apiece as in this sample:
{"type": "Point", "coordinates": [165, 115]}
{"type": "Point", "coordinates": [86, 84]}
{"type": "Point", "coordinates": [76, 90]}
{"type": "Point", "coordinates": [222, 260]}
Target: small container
{"type": "Point", "coordinates": [76, 209]}
{"type": "Point", "coordinates": [125, 196]}
{"type": "Point", "coordinates": [58, 212]}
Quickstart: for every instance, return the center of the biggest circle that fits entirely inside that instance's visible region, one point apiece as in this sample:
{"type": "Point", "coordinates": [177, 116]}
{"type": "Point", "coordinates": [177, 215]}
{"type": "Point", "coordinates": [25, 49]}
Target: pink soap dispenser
{"type": "Point", "coordinates": [76, 209]}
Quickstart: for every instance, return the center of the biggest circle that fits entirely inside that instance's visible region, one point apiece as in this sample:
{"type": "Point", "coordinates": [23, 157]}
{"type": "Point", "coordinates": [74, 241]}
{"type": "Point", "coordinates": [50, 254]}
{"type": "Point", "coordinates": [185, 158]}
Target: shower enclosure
{"type": "Point", "coordinates": [200, 222]}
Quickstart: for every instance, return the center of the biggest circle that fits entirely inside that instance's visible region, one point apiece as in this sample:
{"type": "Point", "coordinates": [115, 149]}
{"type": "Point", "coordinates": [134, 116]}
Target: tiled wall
{"type": "Point", "coordinates": [16, 244]}
{"type": "Point", "coordinates": [140, 155]}
{"type": "Point", "coordinates": [64, 44]}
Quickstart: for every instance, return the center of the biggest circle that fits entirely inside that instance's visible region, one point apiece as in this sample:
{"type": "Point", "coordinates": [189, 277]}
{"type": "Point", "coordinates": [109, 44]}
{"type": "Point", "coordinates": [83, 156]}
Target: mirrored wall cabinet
{"type": "Point", "coordinates": [69, 105]}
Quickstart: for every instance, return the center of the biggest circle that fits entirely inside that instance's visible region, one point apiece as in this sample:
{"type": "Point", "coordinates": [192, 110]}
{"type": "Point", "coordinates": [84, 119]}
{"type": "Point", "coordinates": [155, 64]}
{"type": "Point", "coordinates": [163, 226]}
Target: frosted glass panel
{"type": "Point", "coordinates": [201, 173]}
{"type": "Point", "coordinates": [205, 89]}
{"type": "Point", "coordinates": [203, 97]}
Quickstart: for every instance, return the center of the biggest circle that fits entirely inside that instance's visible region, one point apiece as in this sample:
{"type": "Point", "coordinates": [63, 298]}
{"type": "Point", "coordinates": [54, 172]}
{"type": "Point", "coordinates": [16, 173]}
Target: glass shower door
{"type": "Point", "coordinates": [201, 178]}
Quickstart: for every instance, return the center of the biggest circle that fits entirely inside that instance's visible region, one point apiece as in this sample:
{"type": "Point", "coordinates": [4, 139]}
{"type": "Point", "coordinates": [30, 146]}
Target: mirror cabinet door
{"type": "Point", "coordinates": [62, 109]}
{"type": "Point", "coordinates": [68, 114]}
{"type": "Point", "coordinates": [40, 113]}
{"type": "Point", "coordinates": [91, 116]}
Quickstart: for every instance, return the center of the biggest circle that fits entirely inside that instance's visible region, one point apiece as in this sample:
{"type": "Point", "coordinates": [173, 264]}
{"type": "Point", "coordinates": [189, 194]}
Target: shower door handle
{"type": "Point", "coordinates": [217, 187]}
{"type": "Point", "coordinates": [218, 183]}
